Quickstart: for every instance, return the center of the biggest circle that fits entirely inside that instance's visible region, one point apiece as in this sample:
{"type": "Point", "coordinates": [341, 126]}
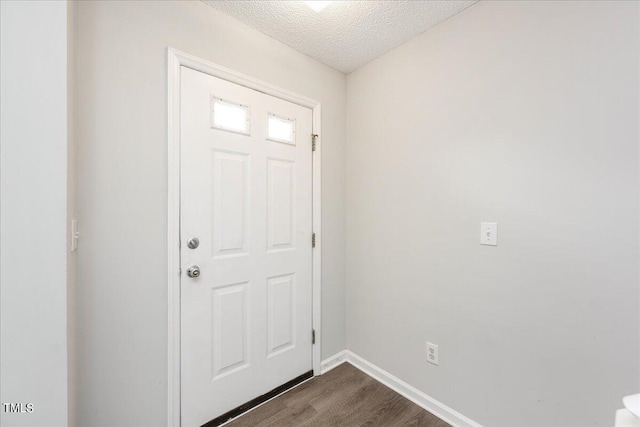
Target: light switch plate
{"type": "Point", "coordinates": [74, 235]}
{"type": "Point", "coordinates": [489, 233]}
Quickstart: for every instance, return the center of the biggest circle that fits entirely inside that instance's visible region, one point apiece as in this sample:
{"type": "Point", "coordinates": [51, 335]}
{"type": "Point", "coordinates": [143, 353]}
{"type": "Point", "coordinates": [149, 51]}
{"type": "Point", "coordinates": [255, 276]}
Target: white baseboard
{"type": "Point", "coordinates": [331, 362]}
{"type": "Point", "coordinates": [421, 399]}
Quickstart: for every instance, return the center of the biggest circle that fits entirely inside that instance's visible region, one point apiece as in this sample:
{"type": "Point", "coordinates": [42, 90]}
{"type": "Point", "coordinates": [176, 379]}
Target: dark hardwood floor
{"type": "Point", "coordinates": [344, 396]}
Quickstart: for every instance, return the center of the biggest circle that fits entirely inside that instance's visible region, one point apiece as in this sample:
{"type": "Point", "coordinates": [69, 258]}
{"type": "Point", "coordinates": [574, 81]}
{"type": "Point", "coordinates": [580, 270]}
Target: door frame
{"type": "Point", "coordinates": [176, 59]}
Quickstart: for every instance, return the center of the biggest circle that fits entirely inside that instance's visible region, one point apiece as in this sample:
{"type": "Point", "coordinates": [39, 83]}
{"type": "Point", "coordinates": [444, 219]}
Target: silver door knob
{"type": "Point", "coordinates": [193, 243]}
{"type": "Point", "coordinates": [193, 271]}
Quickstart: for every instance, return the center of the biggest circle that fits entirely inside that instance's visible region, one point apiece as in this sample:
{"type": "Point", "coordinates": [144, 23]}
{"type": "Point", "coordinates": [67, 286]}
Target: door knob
{"type": "Point", "coordinates": [193, 271]}
{"type": "Point", "coordinates": [193, 243]}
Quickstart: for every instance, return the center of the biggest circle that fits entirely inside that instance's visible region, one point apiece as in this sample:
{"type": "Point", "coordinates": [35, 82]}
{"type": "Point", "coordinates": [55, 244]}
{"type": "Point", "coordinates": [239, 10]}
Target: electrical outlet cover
{"type": "Point", "coordinates": [432, 353]}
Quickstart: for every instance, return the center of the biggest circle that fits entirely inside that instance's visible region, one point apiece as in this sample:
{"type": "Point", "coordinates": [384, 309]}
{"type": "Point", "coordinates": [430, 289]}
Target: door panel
{"type": "Point", "coordinates": [229, 329]}
{"type": "Point", "coordinates": [280, 314]}
{"type": "Point", "coordinates": [280, 204]}
{"type": "Point", "coordinates": [230, 202]}
{"type": "Point", "coordinates": [246, 195]}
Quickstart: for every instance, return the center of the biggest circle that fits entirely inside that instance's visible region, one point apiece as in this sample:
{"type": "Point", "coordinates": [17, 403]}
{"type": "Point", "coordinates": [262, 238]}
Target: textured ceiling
{"type": "Point", "coordinates": [346, 34]}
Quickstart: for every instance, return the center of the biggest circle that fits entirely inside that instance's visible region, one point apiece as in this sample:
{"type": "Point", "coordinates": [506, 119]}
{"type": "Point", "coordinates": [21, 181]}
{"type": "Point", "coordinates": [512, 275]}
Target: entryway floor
{"type": "Point", "coordinates": [344, 396]}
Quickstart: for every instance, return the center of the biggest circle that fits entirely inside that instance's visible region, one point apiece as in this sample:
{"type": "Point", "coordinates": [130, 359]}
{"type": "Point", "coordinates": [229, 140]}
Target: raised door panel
{"type": "Point", "coordinates": [280, 204]}
{"type": "Point", "coordinates": [229, 325]}
{"type": "Point", "coordinates": [230, 187]}
{"type": "Point", "coordinates": [280, 314]}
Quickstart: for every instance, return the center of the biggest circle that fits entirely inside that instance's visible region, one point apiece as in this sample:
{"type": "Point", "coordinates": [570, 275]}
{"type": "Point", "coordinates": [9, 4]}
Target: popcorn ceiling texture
{"type": "Point", "coordinates": [346, 34]}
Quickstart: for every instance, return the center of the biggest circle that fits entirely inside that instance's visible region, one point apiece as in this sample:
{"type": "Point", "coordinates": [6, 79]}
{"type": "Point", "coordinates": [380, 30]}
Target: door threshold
{"type": "Point", "coordinates": [234, 413]}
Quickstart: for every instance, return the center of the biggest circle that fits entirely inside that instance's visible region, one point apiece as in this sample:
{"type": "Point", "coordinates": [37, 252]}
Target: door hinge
{"type": "Point", "coordinates": [313, 240]}
{"type": "Point", "coordinates": [313, 336]}
{"type": "Point", "coordinates": [314, 137]}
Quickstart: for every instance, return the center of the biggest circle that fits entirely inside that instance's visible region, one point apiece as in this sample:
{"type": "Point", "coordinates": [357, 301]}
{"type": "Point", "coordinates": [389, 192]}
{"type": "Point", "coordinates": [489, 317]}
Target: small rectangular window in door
{"type": "Point", "coordinates": [281, 129]}
{"type": "Point", "coordinates": [227, 115]}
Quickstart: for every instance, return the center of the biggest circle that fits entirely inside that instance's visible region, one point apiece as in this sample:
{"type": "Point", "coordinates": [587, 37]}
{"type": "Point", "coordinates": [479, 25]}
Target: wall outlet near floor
{"type": "Point", "coordinates": [432, 353]}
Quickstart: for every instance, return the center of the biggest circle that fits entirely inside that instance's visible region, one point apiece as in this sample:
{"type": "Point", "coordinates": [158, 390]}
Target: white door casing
{"type": "Point", "coordinates": [246, 320]}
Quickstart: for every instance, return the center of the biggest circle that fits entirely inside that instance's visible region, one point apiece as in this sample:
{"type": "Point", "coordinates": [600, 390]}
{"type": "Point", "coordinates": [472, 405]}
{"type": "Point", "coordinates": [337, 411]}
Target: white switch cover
{"type": "Point", "coordinates": [74, 235]}
{"type": "Point", "coordinates": [432, 353]}
{"type": "Point", "coordinates": [489, 233]}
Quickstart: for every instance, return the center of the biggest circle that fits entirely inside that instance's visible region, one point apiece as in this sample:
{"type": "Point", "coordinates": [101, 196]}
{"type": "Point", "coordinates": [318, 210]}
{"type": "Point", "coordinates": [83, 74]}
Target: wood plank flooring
{"type": "Point", "coordinates": [344, 396]}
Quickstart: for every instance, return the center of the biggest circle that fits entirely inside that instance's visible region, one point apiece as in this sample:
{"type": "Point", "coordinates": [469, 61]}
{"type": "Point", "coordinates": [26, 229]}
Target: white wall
{"type": "Point", "coordinates": [72, 257]}
{"type": "Point", "coordinates": [122, 170]}
{"type": "Point", "coordinates": [523, 113]}
{"type": "Point", "coordinates": [33, 152]}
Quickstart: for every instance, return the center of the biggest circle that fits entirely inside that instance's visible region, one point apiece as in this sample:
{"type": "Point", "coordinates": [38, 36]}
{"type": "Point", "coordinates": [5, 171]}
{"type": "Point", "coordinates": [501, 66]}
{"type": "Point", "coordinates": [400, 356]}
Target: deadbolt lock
{"type": "Point", "coordinates": [193, 243]}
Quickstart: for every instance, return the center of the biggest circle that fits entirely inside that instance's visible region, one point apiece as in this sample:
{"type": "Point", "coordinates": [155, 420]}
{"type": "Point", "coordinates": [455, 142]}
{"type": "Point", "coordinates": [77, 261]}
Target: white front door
{"type": "Point", "coordinates": [246, 196]}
